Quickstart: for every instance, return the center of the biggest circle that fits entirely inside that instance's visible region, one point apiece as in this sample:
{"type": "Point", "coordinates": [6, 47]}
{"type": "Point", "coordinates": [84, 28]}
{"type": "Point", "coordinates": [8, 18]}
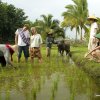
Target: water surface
{"type": "Point", "coordinates": [53, 80]}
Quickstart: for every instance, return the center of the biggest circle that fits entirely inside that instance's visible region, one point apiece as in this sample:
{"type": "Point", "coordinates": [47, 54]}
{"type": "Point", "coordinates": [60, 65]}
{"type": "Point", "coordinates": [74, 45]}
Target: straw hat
{"type": "Point", "coordinates": [92, 17]}
{"type": "Point", "coordinates": [50, 33]}
{"type": "Point", "coordinates": [97, 35]}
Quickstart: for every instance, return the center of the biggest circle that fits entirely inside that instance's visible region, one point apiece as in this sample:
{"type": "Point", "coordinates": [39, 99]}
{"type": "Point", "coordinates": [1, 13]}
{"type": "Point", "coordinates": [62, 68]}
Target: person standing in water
{"type": "Point", "coordinates": [22, 39]}
{"type": "Point", "coordinates": [35, 45]}
{"type": "Point", "coordinates": [49, 41]}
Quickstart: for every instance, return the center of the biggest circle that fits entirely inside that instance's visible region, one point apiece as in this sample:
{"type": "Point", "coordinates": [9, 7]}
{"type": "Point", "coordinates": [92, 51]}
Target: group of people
{"type": "Point", "coordinates": [94, 40]}
{"type": "Point", "coordinates": [30, 45]}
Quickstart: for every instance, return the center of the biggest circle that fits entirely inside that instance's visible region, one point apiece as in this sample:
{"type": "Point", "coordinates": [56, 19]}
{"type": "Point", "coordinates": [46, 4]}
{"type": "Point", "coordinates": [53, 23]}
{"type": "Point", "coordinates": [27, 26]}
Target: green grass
{"type": "Point", "coordinates": [91, 67]}
{"type": "Point", "coordinates": [53, 77]}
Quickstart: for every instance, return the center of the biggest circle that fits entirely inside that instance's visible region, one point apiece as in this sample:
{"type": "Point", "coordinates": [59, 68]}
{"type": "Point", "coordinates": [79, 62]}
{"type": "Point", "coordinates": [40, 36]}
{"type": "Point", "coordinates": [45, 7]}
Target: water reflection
{"type": "Point", "coordinates": [47, 83]}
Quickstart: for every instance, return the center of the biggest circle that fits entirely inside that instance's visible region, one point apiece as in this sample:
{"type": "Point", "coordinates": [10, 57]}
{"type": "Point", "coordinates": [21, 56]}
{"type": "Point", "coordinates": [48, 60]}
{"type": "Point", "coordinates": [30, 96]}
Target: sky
{"type": "Point", "coordinates": [34, 8]}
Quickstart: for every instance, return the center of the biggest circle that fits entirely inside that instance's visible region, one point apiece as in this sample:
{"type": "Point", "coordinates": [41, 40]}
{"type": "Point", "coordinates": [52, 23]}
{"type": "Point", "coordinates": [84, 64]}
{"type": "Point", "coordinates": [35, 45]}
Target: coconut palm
{"type": "Point", "coordinates": [76, 15]}
{"type": "Point", "coordinates": [73, 24]}
{"type": "Point", "coordinates": [46, 24]}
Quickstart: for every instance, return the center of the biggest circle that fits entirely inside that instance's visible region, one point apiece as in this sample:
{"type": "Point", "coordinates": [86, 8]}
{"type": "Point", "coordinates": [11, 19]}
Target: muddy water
{"type": "Point", "coordinates": [51, 81]}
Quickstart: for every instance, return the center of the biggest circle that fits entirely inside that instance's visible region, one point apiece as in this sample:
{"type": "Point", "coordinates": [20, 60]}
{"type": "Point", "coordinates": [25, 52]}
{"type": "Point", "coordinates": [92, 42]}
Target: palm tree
{"type": "Point", "coordinates": [47, 24]}
{"type": "Point", "coordinates": [47, 20]}
{"type": "Point", "coordinates": [73, 24]}
{"type": "Point", "coordinates": [76, 15]}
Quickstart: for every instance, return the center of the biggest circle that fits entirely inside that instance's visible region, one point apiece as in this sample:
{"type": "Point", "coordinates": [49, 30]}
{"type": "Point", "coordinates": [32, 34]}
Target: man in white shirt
{"type": "Point", "coordinates": [22, 38]}
{"type": "Point", "coordinates": [35, 44]}
{"type": "Point", "coordinates": [92, 40]}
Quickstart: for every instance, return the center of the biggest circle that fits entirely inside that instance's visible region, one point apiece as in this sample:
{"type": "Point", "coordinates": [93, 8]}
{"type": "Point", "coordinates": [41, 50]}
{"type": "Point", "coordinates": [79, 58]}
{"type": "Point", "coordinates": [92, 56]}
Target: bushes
{"type": "Point", "coordinates": [77, 43]}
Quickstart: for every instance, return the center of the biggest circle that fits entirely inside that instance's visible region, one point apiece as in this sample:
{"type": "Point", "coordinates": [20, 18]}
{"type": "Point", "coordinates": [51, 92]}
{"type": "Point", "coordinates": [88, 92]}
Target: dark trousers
{"type": "Point", "coordinates": [2, 61]}
{"type": "Point", "coordinates": [25, 50]}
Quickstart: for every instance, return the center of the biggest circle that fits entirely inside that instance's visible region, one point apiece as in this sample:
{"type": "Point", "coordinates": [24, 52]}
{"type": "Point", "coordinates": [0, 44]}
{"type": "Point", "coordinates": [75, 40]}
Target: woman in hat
{"type": "Point", "coordinates": [93, 31]}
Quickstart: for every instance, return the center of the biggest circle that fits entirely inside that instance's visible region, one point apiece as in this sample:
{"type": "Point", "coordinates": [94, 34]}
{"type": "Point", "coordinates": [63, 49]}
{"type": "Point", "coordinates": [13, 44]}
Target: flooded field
{"type": "Point", "coordinates": [54, 79]}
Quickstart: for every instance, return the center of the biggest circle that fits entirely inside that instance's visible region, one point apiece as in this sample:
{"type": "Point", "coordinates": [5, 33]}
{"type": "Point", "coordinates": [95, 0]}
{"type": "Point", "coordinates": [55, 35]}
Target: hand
{"type": "Point", "coordinates": [24, 28]}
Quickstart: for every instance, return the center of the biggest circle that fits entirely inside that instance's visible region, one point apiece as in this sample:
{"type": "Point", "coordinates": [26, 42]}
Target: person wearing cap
{"type": "Point", "coordinates": [98, 39]}
{"type": "Point", "coordinates": [7, 51]}
{"type": "Point", "coordinates": [35, 45]}
{"type": "Point", "coordinates": [93, 31]}
{"type": "Point", "coordinates": [49, 41]}
{"type": "Point", "coordinates": [95, 53]}
{"type": "Point", "coordinates": [22, 39]}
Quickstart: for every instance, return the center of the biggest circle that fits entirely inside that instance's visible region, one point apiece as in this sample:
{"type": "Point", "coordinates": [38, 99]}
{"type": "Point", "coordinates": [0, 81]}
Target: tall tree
{"type": "Point", "coordinates": [77, 14]}
{"type": "Point", "coordinates": [10, 19]}
{"type": "Point", "coordinates": [47, 24]}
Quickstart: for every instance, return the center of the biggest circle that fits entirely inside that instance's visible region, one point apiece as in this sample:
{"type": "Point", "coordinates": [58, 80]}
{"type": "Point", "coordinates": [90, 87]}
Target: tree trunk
{"type": "Point", "coordinates": [76, 35]}
{"type": "Point", "coordinates": [81, 34]}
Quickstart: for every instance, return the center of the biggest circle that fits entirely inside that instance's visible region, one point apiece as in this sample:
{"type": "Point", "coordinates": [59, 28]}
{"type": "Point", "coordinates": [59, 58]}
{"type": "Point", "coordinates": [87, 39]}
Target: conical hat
{"type": "Point", "coordinates": [97, 35]}
{"type": "Point", "coordinates": [92, 17]}
{"type": "Point", "coordinates": [50, 33]}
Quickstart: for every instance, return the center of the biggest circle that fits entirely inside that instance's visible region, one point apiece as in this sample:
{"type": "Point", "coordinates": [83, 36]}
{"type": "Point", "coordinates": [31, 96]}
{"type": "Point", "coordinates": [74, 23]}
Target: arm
{"type": "Point", "coordinates": [93, 50]}
{"type": "Point", "coordinates": [16, 39]}
{"type": "Point", "coordinates": [16, 36]}
{"type": "Point", "coordinates": [46, 40]}
{"type": "Point", "coordinates": [96, 48]}
{"type": "Point", "coordinates": [40, 40]}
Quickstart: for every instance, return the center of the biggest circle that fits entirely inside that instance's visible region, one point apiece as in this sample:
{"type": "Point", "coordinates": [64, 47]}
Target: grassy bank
{"type": "Point", "coordinates": [91, 67]}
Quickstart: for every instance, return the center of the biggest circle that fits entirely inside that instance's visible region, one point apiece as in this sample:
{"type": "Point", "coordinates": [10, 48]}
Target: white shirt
{"type": "Point", "coordinates": [92, 31]}
{"type": "Point", "coordinates": [36, 40]}
{"type": "Point", "coordinates": [20, 40]}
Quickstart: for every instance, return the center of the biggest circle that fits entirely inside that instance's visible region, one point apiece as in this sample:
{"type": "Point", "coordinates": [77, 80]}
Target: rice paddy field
{"type": "Point", "coordinates": [56, 78]}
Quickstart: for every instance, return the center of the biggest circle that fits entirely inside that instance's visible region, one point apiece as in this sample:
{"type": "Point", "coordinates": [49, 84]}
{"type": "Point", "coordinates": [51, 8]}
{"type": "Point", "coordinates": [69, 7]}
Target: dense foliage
{"type": "Point", "coordinates": [76, 16]}
{"type": "Point", "coordinates": [48, 24]}
{"type": "Point", "coordinates": [10, 19]}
